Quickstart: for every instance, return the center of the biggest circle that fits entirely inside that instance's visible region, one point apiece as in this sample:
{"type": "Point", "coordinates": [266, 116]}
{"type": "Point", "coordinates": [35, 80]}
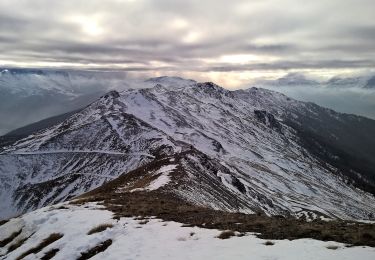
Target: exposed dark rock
{"type": "Point", "coordinates": [238, 184]}
{"type": "Point", "coordinates": [268, 119]}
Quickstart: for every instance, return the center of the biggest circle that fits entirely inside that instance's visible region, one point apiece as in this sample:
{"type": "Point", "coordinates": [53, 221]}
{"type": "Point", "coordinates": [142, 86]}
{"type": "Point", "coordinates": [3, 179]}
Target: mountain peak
{"type": "Point", "coordinates": [111, 94]}
{"type": "Point", "coordinates": [210, 87]}
{"type": "Point", "coordinates": [290, 79]}
{"type": "Point", "coordinates": [371, 83]}
{"type": "Point", "coordinates": [4, 71]}
{"type": "Point", "coordinates": [168, 81]}
{"type": "Point", "coordinates": [295, 78]}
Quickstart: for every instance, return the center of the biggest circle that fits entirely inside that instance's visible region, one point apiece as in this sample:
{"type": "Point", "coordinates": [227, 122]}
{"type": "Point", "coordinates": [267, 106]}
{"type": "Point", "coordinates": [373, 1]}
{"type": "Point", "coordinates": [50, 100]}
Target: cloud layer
{"type": "Point", "coordinates": [228, 41]}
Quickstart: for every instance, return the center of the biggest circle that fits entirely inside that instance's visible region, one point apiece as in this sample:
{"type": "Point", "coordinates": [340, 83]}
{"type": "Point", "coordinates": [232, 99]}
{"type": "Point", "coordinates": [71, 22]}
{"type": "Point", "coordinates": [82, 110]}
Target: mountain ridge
{"type": "Point", "coordinates": [250, 150]}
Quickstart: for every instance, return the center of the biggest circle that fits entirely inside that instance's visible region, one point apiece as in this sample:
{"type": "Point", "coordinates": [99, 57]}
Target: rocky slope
{"type": "Point", "coordinates": [237, 151]}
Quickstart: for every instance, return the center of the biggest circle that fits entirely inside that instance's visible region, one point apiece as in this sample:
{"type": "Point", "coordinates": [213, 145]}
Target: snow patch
{"type": "Point", "coordinates": [162, 180]}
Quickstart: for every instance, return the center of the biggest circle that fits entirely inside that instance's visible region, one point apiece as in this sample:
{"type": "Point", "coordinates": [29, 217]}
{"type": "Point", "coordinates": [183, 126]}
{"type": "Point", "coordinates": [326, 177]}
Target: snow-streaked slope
{"type": "Point", "coordinates": [237, 140]}
{"type": "Point", "coordinates": [91, 147]}
{"type": "Point", "coordinates": [152, 239]}
{"type": "Point", "coordinates": [258, 148]}
{"type": "Point", "coordinates": [30, 95]}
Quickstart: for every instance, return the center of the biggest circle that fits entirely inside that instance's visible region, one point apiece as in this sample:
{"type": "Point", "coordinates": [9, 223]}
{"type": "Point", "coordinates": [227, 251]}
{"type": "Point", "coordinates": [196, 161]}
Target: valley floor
{"type": "Point", "coordinates": [61, 232]}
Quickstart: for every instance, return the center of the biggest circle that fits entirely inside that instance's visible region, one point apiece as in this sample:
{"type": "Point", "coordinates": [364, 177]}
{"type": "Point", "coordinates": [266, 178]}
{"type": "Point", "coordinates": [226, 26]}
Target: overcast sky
{"type": "Point", "coordinates": [230, 42]}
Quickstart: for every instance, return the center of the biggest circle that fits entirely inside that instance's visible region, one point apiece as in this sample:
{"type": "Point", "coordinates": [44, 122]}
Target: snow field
{"type": "Point", "coordinates": [135, 239]}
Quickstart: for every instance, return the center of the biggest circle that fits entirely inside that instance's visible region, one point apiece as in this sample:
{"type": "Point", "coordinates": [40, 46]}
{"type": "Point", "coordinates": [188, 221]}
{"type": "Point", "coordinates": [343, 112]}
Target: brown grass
{"type": "Point", "coordinates": [332, 247]}
{"type": "Point", "coordinates": [62, 207]}
{"type": "Point", "coordinates": [2, 222]}
{"type": "Point", "coordinates": [167, 206]}
{"type": "Point", "coordinates": [187, 225]}
{"type": "Point", "coordinates": [47, 241]}
{"type": "Point", "coordinates": [226, 234]}
{"type": "Point", "coordinates": [17, 244]}
{"type": "Point", "coordinates": [51, 253]}
{"type": "Point", "coordinates": [99, 228]}
{"type": "Point", "coordinates": [95, 250]}
{"type": "Point", "coordinates": [9, 239]}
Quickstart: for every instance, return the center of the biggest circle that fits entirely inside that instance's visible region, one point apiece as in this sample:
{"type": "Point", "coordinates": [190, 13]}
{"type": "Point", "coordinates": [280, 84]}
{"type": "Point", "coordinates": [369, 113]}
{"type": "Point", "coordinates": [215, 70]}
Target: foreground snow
{"type": "Point", "coordinates": [156, 239]}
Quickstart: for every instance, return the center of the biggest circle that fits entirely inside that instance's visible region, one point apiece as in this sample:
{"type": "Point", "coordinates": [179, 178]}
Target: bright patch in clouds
{"type": "Point", "coordinates": [244, 58]}
{"type": "Point", "coordinates": [179, 23]}
{"type": "Point", "coordinates": [191, 37]}
{"type": "Point", "coordinates": [88, 24]}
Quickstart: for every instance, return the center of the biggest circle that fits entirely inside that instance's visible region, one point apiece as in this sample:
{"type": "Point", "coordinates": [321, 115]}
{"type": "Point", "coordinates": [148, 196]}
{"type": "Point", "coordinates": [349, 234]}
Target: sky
{"type": "Point", "coordinates": [229, 42]}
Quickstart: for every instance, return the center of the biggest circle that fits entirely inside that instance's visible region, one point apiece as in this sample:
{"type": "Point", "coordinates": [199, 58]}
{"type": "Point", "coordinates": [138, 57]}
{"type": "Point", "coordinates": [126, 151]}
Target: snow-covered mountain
{"type": "Point", "coordinates": [294, 79]}
{"type": "Point", "coordinates": [248, 151]}
{"type": "Point", "coordinates": [71, 83]}
{"type": "Point", "coordinates": [345, 94]}
{"type": "Point", "coordinates": [29, 95]}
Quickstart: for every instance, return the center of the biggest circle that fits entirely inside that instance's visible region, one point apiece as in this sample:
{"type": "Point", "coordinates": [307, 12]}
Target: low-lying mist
{"type": "Point", "coordinates": [346, 100]}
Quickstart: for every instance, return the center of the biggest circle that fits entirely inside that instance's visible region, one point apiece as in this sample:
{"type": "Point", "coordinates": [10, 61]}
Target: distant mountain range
{"type": "Point", "coordinates": [31, 95]}
{"type": "Point", "coordinates": [300, 80]}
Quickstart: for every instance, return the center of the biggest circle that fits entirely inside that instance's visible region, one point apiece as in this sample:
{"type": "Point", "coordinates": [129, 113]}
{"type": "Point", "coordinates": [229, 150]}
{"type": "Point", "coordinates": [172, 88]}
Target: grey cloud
{"type": "Point", "coordinates": [8, 22]}
{"type": "Point", "coordinates": [183, 35]}
{"type": "Point", "coordinates": [288, 65]}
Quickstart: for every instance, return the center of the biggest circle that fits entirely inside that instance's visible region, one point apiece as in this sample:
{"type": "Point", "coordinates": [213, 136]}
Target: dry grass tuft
{"type": "Point", "coordinates": [99, 228]}
{"type": "Point", "coordinates": [2, 222]}
{"type": "Point", "coordinates": [17, 244]}
{"type": "Point", "coordinates": [62, 207]}
{"type": "Point", "coordinates": [47, 241]}
{"type": "Point", "coordinates": [269, 243]}
{"type": "Point", "coordinates": [95, 250]}
{"type": "Point", "coordinates": [187, 225]}
{"type": "Point", "coordinates": [332, 247]}
{"type": "Point", "coordinates": [9, 239]}
{"type": "Point", "coordinates": [50, 254]}
{"type": "Point", "coordinates": [226, 234]}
